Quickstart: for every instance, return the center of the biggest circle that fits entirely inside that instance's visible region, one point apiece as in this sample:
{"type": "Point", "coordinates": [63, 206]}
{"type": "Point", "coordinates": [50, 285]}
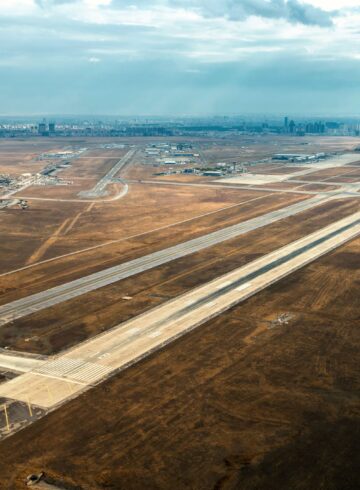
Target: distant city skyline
{"type": "Point", "coordinates": [180, 57]}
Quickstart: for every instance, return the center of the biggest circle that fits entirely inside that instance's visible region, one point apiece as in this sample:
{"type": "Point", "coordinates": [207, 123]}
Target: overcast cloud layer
{"type": "Point", "coordinates": [179, 56]}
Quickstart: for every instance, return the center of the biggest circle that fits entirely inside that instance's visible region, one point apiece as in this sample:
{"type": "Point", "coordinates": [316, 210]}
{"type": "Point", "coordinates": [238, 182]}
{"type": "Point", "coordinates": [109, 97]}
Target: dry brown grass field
{"type": "Point", "coordinates": [251, 148]}
{"type": "Point", "coordinates": [246, 401]}
{"type": "Point", "coordinates": [242, 402]}
{"type": "Point", "coordinates": [64, 325]}
{"type": "Point", "coordinates": [121, 221]}
{"type": "Point", "coordinates": [317, 187]}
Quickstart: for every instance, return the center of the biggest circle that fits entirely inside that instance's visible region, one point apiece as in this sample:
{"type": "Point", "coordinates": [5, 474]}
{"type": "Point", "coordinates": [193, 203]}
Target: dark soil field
{"type": "Point", "coordinates": [242, 402]}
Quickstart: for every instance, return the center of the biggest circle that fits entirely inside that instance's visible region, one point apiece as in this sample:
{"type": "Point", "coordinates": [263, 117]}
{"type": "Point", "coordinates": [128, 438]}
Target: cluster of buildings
{"type": "Point", "coordinates": [47, 176]}
{"type": "Point", "coordinates": [12, 183]}
{"type": "Point", "coordinates": [299, 158]}
{"type": "Point", "coordinates": [62, 155]}
{"type": "Point", "coordinates": [46, 129]}
{"type": "Point", "coordinates": [331, 128]}
{"type": "Point", "coordinates": [212, 126]}
{"type": "Point", "coordinates": [171, 154]}
{"type": "Point", "coordinates": [174, 156]}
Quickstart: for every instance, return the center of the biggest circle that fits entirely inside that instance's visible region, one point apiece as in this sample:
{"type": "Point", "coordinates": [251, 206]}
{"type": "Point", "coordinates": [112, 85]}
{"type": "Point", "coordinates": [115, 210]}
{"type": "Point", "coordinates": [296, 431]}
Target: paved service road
{"type": "Point", "coordinates": [18, 363]}
{"type": "Point", "coordinates": [39, 301]}
{"type": "Point", "coordinates": [90, 362]}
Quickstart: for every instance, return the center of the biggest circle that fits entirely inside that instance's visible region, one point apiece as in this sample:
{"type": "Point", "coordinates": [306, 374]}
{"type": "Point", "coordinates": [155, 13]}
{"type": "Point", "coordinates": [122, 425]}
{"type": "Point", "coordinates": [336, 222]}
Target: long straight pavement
{"type": "Point", "coordinates": [99, 189]}
{"type": "Point", "coordinates": [87, 364]}
{"type": "Point", "coordinates": [39, 301]}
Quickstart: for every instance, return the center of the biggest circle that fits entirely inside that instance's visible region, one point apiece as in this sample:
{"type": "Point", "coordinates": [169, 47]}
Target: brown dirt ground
{"type": "Point", "coordinates": [275, 169]}
{"type": "Point", "coordinates": [66, 324]}
{"type": "Point", "coordinates": [334, 174]}
{"type": "Point", "coordinates": [17, 157]}
{"type": "Point", "coordinates": [144, 209]}
{"type": "Point", "coordinates": [343, 179]}
{"type": "Point", "coordinates": [69, 192]}
{"type": "Point", "coordinates": [92, 166]}
{"type": "Point", "coordinates": [139, 171]}
{"type": "Point", "coordinates": [311, 179]}
{"type": "Point", "coordinates": [279, 185]}
{"type": "Point", "coordinates": [238, 403]}
{"type": "Point", "coordinates": [355, 173]}
{"type": "Point", "coordinates": [258, 147]}
{"type": "Point", "coordinates": [21, 164]}
{"type": "Point", "coordinates": [317, 187]}
{"type": "Point", "coordinates": [23, 232]}
{"type": "Point", "coordinates": [58, 191]}
{"type": "Point", "coordinates": [333, 171]}
{"type": "Point", "coordinates": [183, 178]}
{"type": "Point", "coordinates": [84, 173]}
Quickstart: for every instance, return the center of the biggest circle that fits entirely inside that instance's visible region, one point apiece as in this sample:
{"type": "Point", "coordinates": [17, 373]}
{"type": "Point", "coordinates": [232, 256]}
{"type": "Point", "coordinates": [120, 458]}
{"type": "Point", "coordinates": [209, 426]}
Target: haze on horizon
{"type": "Point", "coordinates": [179, 56]}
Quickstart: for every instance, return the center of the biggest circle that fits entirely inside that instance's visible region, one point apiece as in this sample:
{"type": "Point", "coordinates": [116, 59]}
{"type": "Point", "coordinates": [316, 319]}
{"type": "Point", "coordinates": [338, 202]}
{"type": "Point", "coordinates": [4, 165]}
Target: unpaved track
{"type": "Point", "coordinates": [47, 244]}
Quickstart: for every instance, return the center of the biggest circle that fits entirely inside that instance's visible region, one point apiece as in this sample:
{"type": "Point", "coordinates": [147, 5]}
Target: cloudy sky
{"type": "Point", "coordinates": [179, 56]}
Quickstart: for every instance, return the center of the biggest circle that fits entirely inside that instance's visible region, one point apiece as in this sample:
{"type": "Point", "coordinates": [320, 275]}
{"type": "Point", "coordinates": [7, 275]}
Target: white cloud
{"type": "Point", "coordinates": [96, 3]}
{"type": "Point", "coordinates": [18, 7]}
{"type": "Point", "coordinates": [158, 29]}
{"type": "Point", "coordinates": [334, 4]}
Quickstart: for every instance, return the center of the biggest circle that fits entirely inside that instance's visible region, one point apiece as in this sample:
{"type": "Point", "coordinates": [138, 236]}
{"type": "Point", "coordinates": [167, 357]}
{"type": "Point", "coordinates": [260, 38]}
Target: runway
{"type": "Point", "coordinates": [99, 189]}
{"type": "Point", "coordinates": [39, 301]}
{"type": "Point", "coordinates": [87, 364]}
{"type": "Point", "coordinates": [213, 184]}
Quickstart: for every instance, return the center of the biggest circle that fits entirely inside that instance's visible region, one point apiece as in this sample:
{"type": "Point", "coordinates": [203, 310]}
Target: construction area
{"type": "Point", "coordinates": [191, 305]}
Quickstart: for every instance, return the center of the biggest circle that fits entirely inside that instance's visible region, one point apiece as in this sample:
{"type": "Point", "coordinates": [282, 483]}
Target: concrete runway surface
{"type": "Point", "coordinates": [99, 189]}
{"type": "Point", "coordinates": [66, 375]}
{"type": "Point", "coordinates": [39, 301]}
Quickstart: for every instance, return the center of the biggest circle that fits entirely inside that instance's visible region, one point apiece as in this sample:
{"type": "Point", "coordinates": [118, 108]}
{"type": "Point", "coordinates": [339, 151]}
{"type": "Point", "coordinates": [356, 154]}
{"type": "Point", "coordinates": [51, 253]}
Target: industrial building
{"type": "Point", "coordinates": [296, 157]}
